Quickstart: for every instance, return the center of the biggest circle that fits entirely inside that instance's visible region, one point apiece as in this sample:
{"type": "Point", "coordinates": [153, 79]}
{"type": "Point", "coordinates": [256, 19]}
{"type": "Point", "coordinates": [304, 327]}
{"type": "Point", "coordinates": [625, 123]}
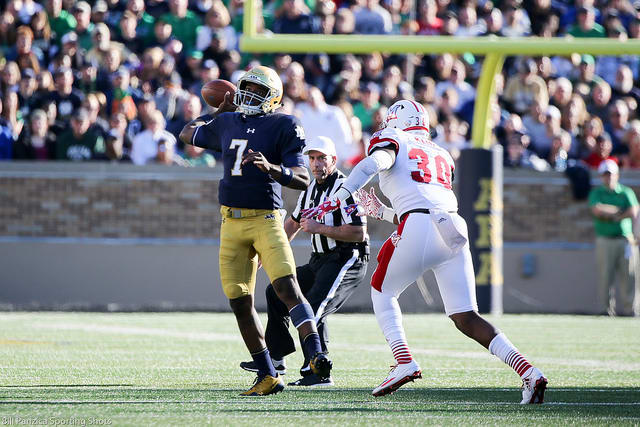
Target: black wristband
{"type": "Point", "coordinates": [286, 176]}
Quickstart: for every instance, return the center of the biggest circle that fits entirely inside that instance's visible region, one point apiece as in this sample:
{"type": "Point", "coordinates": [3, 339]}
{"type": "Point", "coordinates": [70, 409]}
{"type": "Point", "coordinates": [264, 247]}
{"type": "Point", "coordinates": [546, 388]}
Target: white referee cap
{"type": "Point", "coordinates": [322, 144]}
{"type": "Point", "coordinates": [608, 166]}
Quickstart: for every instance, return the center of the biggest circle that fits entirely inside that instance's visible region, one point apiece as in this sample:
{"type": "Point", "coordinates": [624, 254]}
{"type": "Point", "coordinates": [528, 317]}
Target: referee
{"type": "Point", "coordinates": [339, 256]}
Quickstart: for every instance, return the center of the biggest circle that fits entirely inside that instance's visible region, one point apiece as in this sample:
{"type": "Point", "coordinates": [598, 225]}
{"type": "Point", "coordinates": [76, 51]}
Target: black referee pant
{"type": "Point", "coordinates": [326, 281]}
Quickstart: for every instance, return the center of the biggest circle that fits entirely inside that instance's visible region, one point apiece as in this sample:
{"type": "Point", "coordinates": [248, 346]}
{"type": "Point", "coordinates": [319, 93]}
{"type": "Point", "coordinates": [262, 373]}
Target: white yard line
{"type": "Point", "coordinates": [323, 402]}
{"type": "Point", "coordinates": [212, 336]}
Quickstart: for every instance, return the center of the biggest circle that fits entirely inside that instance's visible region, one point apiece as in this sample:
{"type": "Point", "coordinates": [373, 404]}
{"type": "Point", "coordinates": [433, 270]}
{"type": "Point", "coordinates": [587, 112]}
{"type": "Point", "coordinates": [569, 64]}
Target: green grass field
{"type": "Point", "coordinates": [182, 368]}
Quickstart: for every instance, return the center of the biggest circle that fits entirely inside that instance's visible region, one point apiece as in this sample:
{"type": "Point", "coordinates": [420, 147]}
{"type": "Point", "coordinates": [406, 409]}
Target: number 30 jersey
{"type": "Point", "coordinates": [421, 176]}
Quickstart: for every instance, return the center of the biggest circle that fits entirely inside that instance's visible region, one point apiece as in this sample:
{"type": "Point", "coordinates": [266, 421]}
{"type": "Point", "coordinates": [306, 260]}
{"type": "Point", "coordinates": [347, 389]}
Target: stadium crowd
{"type": "Point", "coordinates": [117, 80]}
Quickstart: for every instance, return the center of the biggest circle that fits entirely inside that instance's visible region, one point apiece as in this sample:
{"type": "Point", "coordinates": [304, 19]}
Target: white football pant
{"type": "Point", "coordinates": [436, 241]}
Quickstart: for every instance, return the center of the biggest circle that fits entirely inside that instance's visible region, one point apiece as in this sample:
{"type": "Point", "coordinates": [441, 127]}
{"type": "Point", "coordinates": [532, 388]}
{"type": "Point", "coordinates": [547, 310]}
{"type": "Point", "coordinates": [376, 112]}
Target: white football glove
{"type": "Point", "coordinates": [373, 206]}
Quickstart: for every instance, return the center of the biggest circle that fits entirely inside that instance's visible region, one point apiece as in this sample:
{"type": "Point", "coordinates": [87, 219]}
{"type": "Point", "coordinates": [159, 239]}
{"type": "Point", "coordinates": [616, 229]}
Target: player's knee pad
{"type": "Point", "coordinates": [300, 314]}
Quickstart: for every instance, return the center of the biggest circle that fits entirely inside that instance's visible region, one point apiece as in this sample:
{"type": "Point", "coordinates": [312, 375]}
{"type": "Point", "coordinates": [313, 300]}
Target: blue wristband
{"type": "Point", "coordinates": [286, 176]}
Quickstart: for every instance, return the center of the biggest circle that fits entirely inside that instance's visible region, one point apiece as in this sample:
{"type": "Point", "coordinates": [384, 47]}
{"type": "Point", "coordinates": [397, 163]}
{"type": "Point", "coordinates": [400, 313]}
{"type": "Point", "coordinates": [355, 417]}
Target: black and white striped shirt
{"type": "Point", "coordinates": [317, 193]}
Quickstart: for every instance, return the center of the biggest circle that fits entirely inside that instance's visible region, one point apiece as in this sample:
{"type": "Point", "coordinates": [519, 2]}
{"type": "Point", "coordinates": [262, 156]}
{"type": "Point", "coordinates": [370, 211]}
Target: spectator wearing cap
{"type": "Point", "coordinates": [321, 119]}
{"type": "Point", "coordinates": [36, 141]}
{"type": "Point", "coordinates": [27, 92]}
{"type": "Point", "coordinates": [71, 49]}
{"type": "Point", "coordinates": [184, 23]}
{"type": "Point", "coordinates": [586, 25]}
{"type": "Point", "coordinates": [87, 80]}
{"type": "Point", "coordinates": [84, 28]}
{"type": "Point", "coordinates": [614, 208]}
{"type": "Point", "coordinates": [518, 154]}
{"type": "Point", "coordinates": [101, 45]}
{"type": "Point", "coordinates": [217, 20]}
{"type": "Point", "coordinates": [371, 18]}
{"type": "Point", "coordinates": [189, 68]}
{"type": "Point", "coordinates": [60, 20]}
{"type": "Point", "coordinates": [121, 99]}
{"type": "Point", "coordinates": [65, 96]}
{"type": "Point", "coordinates": [100, 12]}
{"type": "Point", "coordinates": [208, 71]}
{"type": "Point", "coordinates": [586, 72]}
{"type": "Point", "coordinates": [79, 143]}
{"type": "Point", "coordinates": [525, 86]}
{"type": "Point", "coordinates": [368, 104]}
{"type": "Point", "coordinates": [145, 144]}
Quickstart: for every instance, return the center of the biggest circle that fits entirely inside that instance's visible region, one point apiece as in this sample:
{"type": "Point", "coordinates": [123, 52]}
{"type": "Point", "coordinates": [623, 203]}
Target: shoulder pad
{"type": "Point", "coordinates": [388, 137]}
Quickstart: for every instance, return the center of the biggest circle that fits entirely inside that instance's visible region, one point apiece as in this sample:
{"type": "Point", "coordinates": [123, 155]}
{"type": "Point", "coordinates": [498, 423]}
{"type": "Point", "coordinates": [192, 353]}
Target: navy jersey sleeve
{"type": "Point", "coordinates": [207, 135]}
{"type": "Point", "coordinates": [293, 142]}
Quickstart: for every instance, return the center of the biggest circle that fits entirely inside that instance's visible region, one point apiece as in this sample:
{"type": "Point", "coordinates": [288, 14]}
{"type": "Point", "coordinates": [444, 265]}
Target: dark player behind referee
{"type": "Point", "coordinates": [339, 255]}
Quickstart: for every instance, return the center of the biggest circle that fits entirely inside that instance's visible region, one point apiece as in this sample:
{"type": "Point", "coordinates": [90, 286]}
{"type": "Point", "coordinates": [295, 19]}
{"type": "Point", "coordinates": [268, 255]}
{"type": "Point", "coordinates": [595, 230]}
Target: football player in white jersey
{"type": "Point", "coordinates": [415, 175]}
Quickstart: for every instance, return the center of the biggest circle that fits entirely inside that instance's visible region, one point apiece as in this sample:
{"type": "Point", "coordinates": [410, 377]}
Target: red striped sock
{"type": "Point", "coordinates": [401, 353]}
{"type": "Point", "coordinates": [517, 362]}
{"type": "Point", "coordinates": [509, 354]}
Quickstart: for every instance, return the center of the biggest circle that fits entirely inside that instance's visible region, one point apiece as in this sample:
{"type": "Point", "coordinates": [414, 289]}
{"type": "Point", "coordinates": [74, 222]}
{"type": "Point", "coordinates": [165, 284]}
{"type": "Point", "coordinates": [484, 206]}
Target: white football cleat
{"type": "Point", "coordinates": [398, 376]}
{"type": "Point", "coordinates": [533, 386]}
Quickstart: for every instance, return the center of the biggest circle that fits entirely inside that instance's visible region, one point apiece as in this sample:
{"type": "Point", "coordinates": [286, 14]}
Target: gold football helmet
{"type": "Point", "coordinates": [259, 101]}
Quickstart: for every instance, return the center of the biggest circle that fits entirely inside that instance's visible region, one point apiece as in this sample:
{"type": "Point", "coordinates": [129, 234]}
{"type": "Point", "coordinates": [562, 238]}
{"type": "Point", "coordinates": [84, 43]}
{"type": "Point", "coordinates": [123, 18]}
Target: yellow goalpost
{"type": "Point", "coordinates": [494, 48]}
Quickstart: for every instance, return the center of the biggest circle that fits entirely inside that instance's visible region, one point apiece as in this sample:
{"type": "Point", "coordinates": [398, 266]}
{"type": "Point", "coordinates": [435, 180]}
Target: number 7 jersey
{"type": "Point", "coordinates": [422, 173]}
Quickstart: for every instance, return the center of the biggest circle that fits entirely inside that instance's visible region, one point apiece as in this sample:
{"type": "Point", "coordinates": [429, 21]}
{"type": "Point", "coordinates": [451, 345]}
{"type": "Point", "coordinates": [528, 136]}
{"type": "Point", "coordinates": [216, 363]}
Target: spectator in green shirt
{"type": "Point", "coordinates": [587, 25]}
{"type": "Point", "coordinates": [184, 23]}
{"type": "Point", "coordinates": [614, 207]}
{"type": "Point", "coordinates": [369, 103]}
{"type": "Point", "coordinates": [60, 20]}
{"type": "Point", "coordinates": [79, 143]}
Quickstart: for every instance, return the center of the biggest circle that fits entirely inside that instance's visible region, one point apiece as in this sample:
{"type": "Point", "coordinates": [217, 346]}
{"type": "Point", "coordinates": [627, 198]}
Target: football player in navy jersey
{"type": "Point", "coordinates": [261, 151]}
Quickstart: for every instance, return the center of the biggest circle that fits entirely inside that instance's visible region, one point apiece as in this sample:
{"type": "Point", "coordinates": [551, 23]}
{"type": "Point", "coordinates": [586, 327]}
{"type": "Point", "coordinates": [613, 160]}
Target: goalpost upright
{"type": "Point", "coordinates": [480, 185]}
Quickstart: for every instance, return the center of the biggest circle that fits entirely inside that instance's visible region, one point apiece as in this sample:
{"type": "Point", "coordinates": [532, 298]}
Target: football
{"type": "Point", "coordinates": [213, 91]}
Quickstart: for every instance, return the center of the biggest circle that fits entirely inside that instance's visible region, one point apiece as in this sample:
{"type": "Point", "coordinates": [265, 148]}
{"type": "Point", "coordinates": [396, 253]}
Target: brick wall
{"type": "Point", "coordinates": [124, 201]}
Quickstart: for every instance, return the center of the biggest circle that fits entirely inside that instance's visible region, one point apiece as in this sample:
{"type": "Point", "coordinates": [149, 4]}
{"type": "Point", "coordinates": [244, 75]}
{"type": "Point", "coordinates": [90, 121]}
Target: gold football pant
{"type": "Point", "coordinates": [246, 234]}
